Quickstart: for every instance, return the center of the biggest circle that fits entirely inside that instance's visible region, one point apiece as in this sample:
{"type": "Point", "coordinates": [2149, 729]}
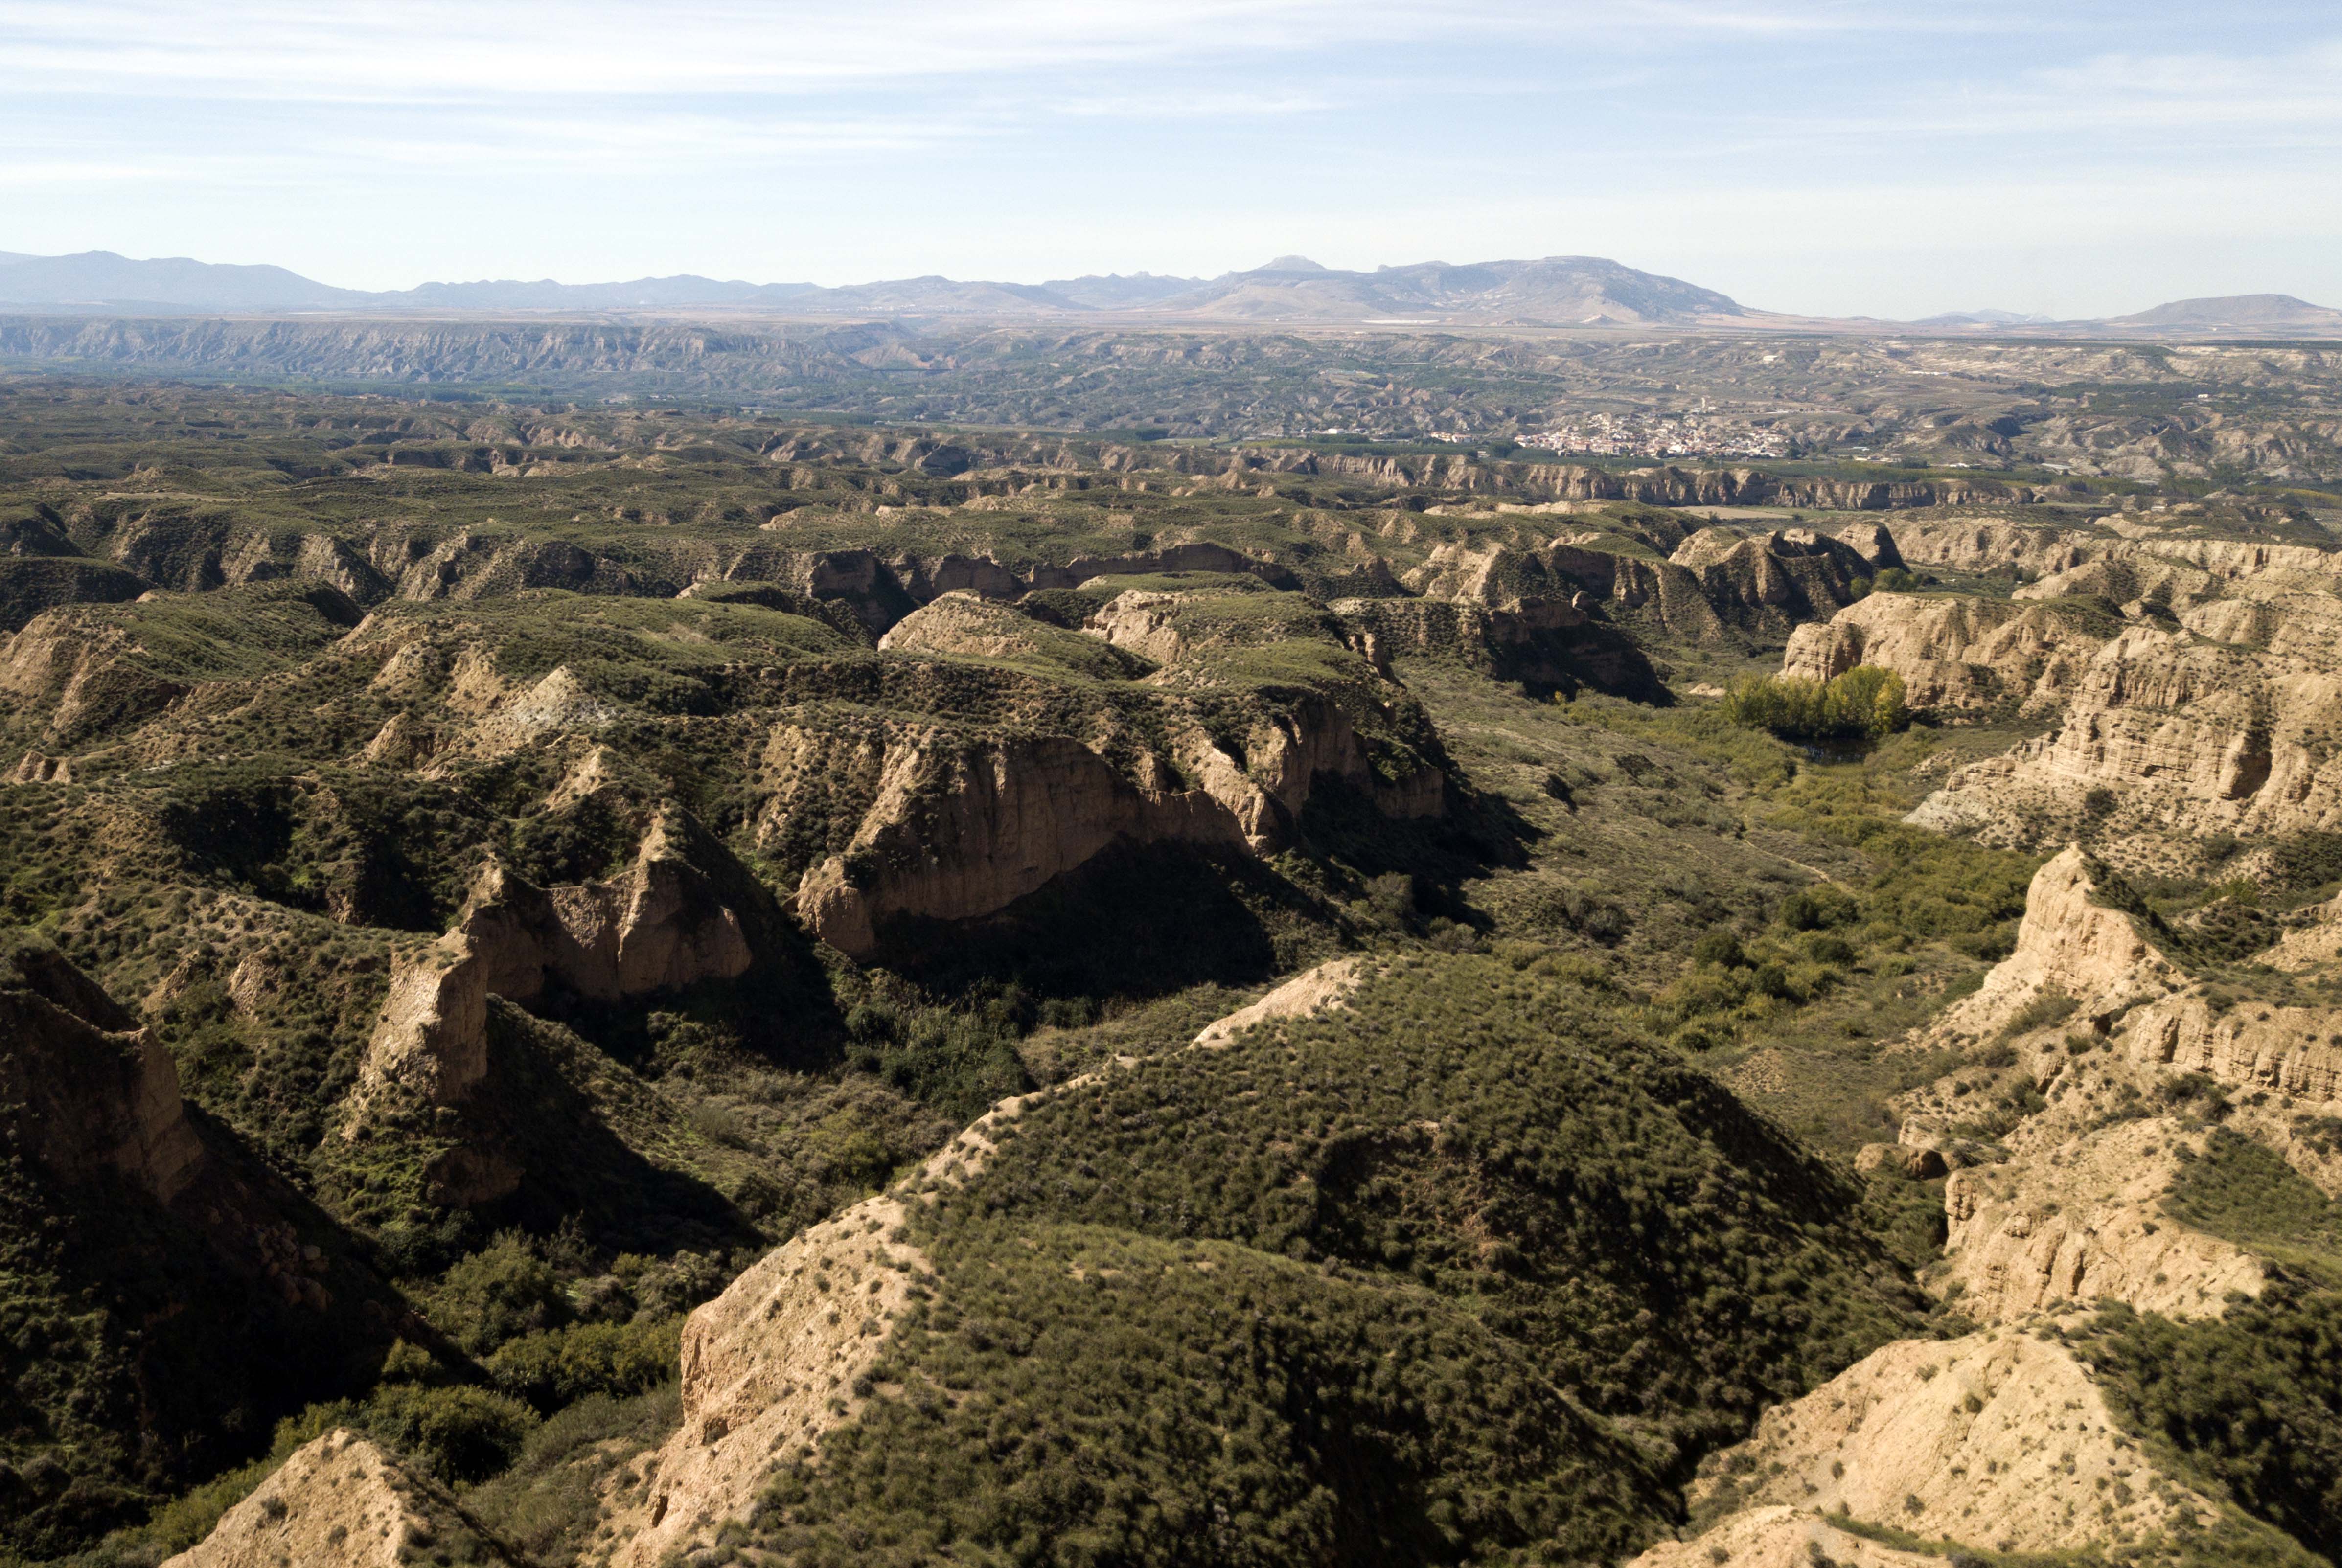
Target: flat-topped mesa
{"type": "Point", "coordinates": [84, 1090]}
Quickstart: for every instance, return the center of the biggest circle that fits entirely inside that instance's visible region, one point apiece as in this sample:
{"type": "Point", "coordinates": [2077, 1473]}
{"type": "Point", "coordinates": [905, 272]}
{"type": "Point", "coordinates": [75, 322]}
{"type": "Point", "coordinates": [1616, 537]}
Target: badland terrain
{"type": "Point", "coordinates": [631, 944]}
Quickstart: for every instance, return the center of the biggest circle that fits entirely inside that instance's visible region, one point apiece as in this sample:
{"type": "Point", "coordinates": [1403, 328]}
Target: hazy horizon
{"type": "Point", "coordinates": [1834, 159]}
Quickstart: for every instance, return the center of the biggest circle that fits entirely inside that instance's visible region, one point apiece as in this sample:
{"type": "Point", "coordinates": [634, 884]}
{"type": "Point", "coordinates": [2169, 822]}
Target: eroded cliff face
{"type": "Point", "coordinates": [2102, 1026]}
{"type": "Point", "coordinates": [1778, 1536]}
{"type": "Point", "coordinates": [2075, 1215]}
{"type": "Point", "coordinates": [660, 926]}
{"type": "Point", "coordinates": [85, 1091]}
{"type": "Point", "coordinates": [960, 826]}
{"type": "Point", "coordinates": [2190, 734]}
{"type": "Point", "coordinates": [952, 820]}
{"type": "Point", "coordinates": [2194, 681]}
{"type": "Point", "coordinates": [778, 1359]}
{"type": "Point", "coordinates": [1955, 653]}
{"type": "Point", "coordinates": [1770, 582]}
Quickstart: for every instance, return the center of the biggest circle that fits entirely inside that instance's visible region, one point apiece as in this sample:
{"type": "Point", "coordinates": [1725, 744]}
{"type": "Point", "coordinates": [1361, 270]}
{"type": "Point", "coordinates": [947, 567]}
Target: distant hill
{"type": "Point", "coordinates": [1557, 290]}
{"type": "Point", "coordinates": [1550, 291]}
{"type": "Point", "coordinates": [682, 291]}
{"type": "Point", "coordinates": [1982, 318]}
{"type": "Point", "coordinates": [2255, 314]}
{"type": "Point", "coordinates": [1115, 292]}
{"type": "Point", "coordinates": [100, 279]}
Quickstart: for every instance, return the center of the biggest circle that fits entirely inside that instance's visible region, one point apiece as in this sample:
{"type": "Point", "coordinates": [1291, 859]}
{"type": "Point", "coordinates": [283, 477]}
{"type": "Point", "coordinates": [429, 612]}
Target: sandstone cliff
{"type": "Point", "coordinates": [2195, 680]}
{"type": "Point", "coordinates": [1955, 653]}
{"type": "Point", "coordinates": [84, 1090]}
{"type": "Point", "coordinates": [959, 826]}
{"type": "Point", "coordinates": [951, 820]}
{"type": "Point", "coordinates": [1768, 583]}
{"type": "Point", "coordinates": [1778, 1536]}
{"type": "Point", "coordinates": [2076, 1215]}
{"type": "Point", "coordinates": [778, 1358]}
{"type": "Point", "coordinates": [2100, 1025]}
{"type": "Point", "coordinates": [661, 925]}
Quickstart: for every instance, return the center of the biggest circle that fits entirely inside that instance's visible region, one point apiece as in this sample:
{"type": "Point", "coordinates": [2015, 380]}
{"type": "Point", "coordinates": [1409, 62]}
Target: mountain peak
{"type": "Point", "coordinates": [1291, 264]}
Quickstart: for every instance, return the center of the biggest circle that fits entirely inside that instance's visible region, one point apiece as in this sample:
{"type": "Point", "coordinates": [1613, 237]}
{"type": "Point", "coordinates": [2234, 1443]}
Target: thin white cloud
{"type": "Point", "coordinates": [433, 50]}
{"type": "Point", "coordinates": [438, 49]}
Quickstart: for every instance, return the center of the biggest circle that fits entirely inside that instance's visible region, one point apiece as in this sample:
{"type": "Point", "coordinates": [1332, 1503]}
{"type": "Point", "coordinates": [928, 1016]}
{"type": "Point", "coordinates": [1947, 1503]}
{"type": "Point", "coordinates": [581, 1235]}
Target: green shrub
{"type": "Point", "coordinates": [558, 1367]}
{"type": "Point", "coordinates": [461, 1435]}
{"type": "Point", "coordinates": [1819, 908]}
{"type": "Point", "coordinates": [1865, 704]}
{"type": "Point", "coordinates": [1721, 948]}
{"type": "Point", "coordinates": [2242, 1191]}
{"type": "Point", "coordinates": [2045, 1011]}
{"type": "Point", "coordinates": [499, 1293]}
{"type": "Point", "coordinates": [2253, 1398]}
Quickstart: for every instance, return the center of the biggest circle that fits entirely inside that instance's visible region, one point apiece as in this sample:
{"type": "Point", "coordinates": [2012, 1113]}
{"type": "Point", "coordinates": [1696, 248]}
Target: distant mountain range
{"type": "Point", "coordinates": [1984, 318]}
{"type": "Point", "coordinates": [1556, 291]}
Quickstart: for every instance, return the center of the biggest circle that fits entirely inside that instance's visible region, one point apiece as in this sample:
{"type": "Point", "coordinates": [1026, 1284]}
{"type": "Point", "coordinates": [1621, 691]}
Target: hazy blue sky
{"type": "Point", "coordinates": [1888, 158]}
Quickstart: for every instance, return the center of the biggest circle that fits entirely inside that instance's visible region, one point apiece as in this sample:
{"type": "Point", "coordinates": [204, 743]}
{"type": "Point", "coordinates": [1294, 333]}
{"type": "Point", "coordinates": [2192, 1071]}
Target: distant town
{"type": "Point", "coordinates": [1647, 436]}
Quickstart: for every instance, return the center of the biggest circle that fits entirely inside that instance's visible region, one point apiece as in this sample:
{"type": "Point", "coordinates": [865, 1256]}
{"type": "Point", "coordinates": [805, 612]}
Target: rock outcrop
{"type": "Point", "coordinates": [342, 1500]}
{"type": "Point", "coordinates": [1999, 1439]}
{"type": "Point", "coordinates": [768, 1366]}
{"type": "Point", "coordinates": [85, 1091]}
{"type": "Point", "coordinates": [1779, 1536]}
{"type": "Point", "coordinates": [2208, 703]}
{"type": "Point", "coordinates": [2099, 1024]}
{"type": "Point", "coordinates": [1314, 990]}
{"type": "Point", "coordinates": [2069, 943]}
{"type": "Point", "coordinates": [1504, 611]}
{"type": "Point", "coordinates": [1981, 544]}
{"type": "Point", "coordinates": [2076, 1215]}
{"type": "Point", "coordinates": [961, 827]}
{"type": "Point", "coordinates": [954, 820]}
{"type": "Point", "coordinates": [1638, 588]}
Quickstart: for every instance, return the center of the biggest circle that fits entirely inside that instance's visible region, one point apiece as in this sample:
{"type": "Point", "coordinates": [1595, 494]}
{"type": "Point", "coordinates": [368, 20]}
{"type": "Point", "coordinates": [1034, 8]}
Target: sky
{"type": "Point", "coordinates": [1830, 157]}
